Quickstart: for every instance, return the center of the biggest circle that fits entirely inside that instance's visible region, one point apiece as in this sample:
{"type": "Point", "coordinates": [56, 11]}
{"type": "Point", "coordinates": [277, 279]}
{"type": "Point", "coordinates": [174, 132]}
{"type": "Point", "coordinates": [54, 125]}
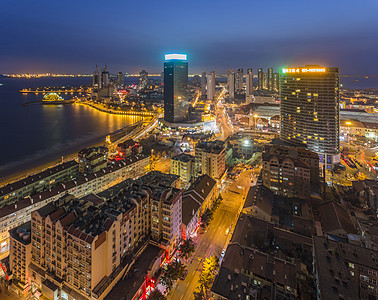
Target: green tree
{"type": "Point", "coordinates": [172, 272]}
{"type": "Point", "coordinates": [207, 276]}
{"type": "Point", "coordinates": [187, 248]}
{"type": "Point", "coordinates": [156, 295]}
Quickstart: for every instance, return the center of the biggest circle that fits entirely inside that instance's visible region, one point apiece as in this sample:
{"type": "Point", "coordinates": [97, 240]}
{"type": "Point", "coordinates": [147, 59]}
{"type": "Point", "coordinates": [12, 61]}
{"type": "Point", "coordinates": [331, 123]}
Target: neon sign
{"type": "Point", "coordinates": [304, 70]}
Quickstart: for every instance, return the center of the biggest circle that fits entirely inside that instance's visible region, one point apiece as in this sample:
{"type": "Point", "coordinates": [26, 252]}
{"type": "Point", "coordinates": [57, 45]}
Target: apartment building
{"type": "Point", "coordinates": [344, 271]}
{"type": "Point", "coordinates": [210, 159]}
{"type": "Point", "coordinates": [92, 159]}
{"type": "Point", "coordinates": [78, 244]}
{"type": "Point", "coordinates": [37, 183]}
{"type": "Point", "coordinates": [18, 213]}
{"type": "Point", "coordinates": [183, 165]}
{"type": "Point", "coordinates": [290, 171]}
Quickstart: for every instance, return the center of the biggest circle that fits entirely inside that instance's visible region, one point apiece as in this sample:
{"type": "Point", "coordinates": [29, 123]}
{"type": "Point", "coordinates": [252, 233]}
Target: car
{"type": "Point", "coordinates": [227, 231]}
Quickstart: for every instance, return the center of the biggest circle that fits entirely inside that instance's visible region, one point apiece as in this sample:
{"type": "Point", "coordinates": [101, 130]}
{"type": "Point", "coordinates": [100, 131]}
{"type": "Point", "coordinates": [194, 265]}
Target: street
{"type": "Point", "coordinates": [214, 240]}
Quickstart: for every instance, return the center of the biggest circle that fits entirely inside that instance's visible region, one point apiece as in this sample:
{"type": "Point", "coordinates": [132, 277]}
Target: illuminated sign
{"type": "Point", "coordinates": [304, 70]}
{"type": "Point", "coordinates": [175, 56]}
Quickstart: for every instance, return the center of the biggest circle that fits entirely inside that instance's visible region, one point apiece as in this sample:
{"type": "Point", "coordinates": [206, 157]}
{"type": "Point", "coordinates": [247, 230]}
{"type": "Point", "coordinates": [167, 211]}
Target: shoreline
{"type": "Point", "coordinates": [115, 112]}
{"type": "Point", "coordinates": [47, 161]}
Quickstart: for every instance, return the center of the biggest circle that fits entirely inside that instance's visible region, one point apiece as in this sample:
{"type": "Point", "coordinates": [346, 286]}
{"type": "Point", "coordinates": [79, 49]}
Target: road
{"type": "Point", "coordinates": [214, 240]}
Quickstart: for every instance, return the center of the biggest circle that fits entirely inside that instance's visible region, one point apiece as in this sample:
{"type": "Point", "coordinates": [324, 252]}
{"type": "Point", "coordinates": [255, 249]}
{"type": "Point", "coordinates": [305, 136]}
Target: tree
{"type": "Point", "coordinates": [207, 277]}
{"type": "Point", "coordinates": [187, 248]}
{"type": "Point", "coordinates": [206, 217]}
{"type": "Point", "coordinates": [156, 295]}
{"type": "Point", "coordinates": [172, 272]}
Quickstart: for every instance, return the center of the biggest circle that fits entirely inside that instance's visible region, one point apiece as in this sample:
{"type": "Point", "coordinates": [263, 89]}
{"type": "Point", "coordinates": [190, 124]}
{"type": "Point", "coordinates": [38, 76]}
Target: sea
{"type": "Point", "coordinates": [38, 134]}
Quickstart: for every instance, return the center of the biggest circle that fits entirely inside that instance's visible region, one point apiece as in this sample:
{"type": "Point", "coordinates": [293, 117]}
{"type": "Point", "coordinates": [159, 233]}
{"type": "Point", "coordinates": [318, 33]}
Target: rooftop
{"type": "Point", "coordinates": [183, 157]}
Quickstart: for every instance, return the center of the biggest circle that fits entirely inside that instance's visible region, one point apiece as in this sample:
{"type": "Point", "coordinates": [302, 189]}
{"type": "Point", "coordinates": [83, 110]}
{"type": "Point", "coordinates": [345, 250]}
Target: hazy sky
{"type": "Point", "coordinates": [73, 36]}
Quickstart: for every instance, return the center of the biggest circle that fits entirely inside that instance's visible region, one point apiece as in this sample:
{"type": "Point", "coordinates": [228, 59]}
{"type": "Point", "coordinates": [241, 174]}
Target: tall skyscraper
{"type": "Point", "coordinates": [265, 81]}
{"type": "Point", "coordinates": [310, 110]}
{"type": "Point", "coordinates": [105, 79]}
{"type": "Point", "coordinates": [96, 82]}
{"type": "Point", "coordinates": [203, 84]}
{"type": "Point", "coordinates": [231, 83]}
{"type": "Point", "coordinates": [239, 80]}
{"type": "Point", "coordinates": [270, 79]}
{"type": "Point", "coordinates": [276, 82]}
{"type": "Point", "coordinates": [120, 80]}
{"type": "Point", "coordinates": [175, 88]}
{"type": "Point", "coordinates": [143, 79]}
{"type": "Point", "coordinates": [211, 86]}
{"type": "Point", "coordinates": [249, 83]}
{"type": "Point", "coordinates": [260, 79]}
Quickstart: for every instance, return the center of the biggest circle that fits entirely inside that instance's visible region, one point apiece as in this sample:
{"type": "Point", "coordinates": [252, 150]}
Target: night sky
{"type": "Point", "coordinates": [74, 36]}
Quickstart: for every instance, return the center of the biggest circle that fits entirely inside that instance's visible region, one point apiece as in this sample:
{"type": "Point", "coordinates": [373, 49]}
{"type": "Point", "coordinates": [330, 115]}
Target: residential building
{"type": "Point", "coordinates": [120, 80]}
{"type": "Point", "coordinates": [310, 111]}
{"type": "Point", "coordinates": [96, 79]}
{"type": "Point", "coordinates": [276, 82]}
{"type": "Point", "coordinates": [211, 81]}
{"type": "Point", "coordinates": [239, 80]}
{"type": "Point", "coordinates": [184, 166]}
{"type": "Point", "coordinates": [22, 188]}
{"type": "Point", "coordinates": [270, 79]}
{"type": "Point", "coordinates": [19, 212]}
{"type": "Point", "coordinates": [260, 79]}
{"type": "Point", "coordinates": [175, 88]}
{"type": "Point", "coordinates": [129, 148]}
{"type": "Point", "coordinates": [290, 171]}
{"type": "Point", "coordinates": [92, 159]}
{"type": "Point", "coordinates": [210, 159]}
{"type": "Point", "coordinates": [80, 248]}
{"type": "Point", "coordinates": [249, 83]}
{"type": "Point", "coordinates": [231, 83]}
{"type": "Point", "coordinates": [344, 271]}
{"type": "Point", "coordinates": [20, 257]}
{"type": "Point", "coordinates": [143, 79]}
{"type": "Point", "coordinates": [203, 85]}
{"type": "Point", "coordinates": [105, 78]}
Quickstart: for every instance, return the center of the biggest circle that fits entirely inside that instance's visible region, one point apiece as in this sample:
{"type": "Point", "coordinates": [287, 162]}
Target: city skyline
{"type": "Point", "coordinates": [61, 38]}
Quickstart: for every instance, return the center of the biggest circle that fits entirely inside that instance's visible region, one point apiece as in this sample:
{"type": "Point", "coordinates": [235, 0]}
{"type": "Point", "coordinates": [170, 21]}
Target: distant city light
{"type": "Point", "coordinates": [176, 56]}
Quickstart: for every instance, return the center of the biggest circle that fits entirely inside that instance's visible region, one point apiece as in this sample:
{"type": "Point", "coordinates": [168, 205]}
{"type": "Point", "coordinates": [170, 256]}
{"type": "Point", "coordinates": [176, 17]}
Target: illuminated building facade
{"type": "Point", "coordinates": [211, 85]}
{"type": "Point", "coordinates": [143, 79]}
{"type": "Point", "coordinates": [105, 78]}
{"type": "Point", "coordinates": [270, 79]}
{"type": "Point", "coordinates": [231, 83]}
{"type": "Point", "coordinates": [175, 88]}
{"type": "Point", "coordinates": [249, 83]}
{"type": "Point", "coordinates": [310, 110]}
{"type": "Point", "coordinates": [96, 83]}
{"type": "Point", "coordinates": [260, 79]}
{"type": "Point", "coordinates": [210, 159]}
{"type": "Point", "coordinates": [120, 80]}
{"type": "Point", "coordinates": [239, 80]}
{"type": "Point", "coordinates": [203, 84]}
{"type": "Point", "coordinates": [276, 82]}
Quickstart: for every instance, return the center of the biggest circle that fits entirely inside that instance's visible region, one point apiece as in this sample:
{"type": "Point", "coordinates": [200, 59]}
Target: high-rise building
{"type": "Point", "coordinates": [239, 80]}
{"type": "Point", "coordinates": [276, 82]}
{"type": "Point", "coordinates": [96, 83]}
{"type": "Point", "coordinates": [231, 83]}
{"type": "Point", "coordinates": [203, 84]}
{"type": "Point", "coordinates": [249, 83]}
{"type": "Point", "coordinates": [260, 79]}
{"type": "Point", "coordinates": [270, 79]}
{"type": "Point", "coordinates": [120, 80]}
{"type": "Point", "coordinates": [105, 79]}
{"type": "Point", "coordinates": [265, 81]}
{"type": "Point", "coordinates": [211, 86]}
{"type": "Point", "coordinates": [310, 110]}
{"type": "Point", "coordinates": [175, 88]}
{"type": "Point", "coordinates": [184, 166]}
{"type": "Point", "coordinates": [143, 79]}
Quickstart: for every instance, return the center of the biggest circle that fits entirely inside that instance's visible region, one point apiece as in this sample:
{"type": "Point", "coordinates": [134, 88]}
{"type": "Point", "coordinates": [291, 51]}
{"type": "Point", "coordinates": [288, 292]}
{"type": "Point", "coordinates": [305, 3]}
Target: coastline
{"type": "Point", "coordinates": [116, 112]}
{"type": "Point", "coordinates": [69, 152]}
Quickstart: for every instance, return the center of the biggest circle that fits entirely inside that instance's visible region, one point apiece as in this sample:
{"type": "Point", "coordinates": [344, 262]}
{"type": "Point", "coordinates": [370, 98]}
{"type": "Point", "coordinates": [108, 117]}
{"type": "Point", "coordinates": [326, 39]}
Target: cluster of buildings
{"type": "Point", "coordinates": [79, 247]}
